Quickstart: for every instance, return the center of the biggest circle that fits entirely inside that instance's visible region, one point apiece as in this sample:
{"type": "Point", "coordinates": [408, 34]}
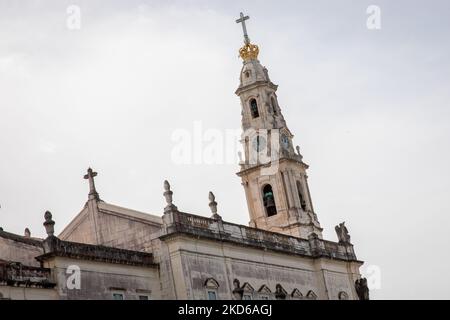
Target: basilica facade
{"type": "Point", "coordinates": [111, 252]}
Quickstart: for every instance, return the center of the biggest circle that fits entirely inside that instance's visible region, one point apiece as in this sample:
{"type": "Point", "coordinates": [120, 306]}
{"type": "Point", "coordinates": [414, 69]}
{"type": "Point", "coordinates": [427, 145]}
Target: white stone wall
{"type": "Point", "coordinates": [16, 251]}
{"type": "Point", "coordinates": [193, 261]}
{"type": "Point", "coordinates": [113, 226]}
{"type": "Point", "coordinates": [22, 293]}
{"type": "Point", "coordinates": [100, 280]}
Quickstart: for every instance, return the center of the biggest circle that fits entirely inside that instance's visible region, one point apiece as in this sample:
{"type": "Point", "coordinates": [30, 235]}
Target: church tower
{"type": "Point", "coordinates": [273, 173]}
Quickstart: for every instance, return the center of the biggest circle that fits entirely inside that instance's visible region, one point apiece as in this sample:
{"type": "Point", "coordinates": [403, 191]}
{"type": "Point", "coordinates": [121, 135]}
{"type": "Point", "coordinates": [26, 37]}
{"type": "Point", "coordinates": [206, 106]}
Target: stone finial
{"type": "Point", "coordinates": [213, 206]}
{"type": "Point", "coordinates": [93, 194]}
{"type": "Point", "coordinates": [49, 224]}
{"type": "Point", "coordinates": [169, 199]}
{"type": "Point", "coordinates": [27, 233]}
{"type": "Point", "coordinates": [166, 185]}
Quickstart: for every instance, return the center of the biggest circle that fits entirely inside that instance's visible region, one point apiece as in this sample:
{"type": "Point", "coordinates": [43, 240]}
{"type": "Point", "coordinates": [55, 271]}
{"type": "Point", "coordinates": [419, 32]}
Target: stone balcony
{"type": "Point", "coordinates": [198, 226]}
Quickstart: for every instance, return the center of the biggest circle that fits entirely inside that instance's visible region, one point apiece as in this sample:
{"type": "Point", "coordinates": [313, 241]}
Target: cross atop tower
{"type": "Point", "coordinates": [244, 27]}
{"type": "Point", "coordinates": [93, 194]}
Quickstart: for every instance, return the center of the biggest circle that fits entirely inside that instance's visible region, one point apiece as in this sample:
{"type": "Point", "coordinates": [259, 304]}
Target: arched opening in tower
{"type": "Point", "coordinates": [254, 108]}
{"type": "Point", "coordinates": [269, 201]}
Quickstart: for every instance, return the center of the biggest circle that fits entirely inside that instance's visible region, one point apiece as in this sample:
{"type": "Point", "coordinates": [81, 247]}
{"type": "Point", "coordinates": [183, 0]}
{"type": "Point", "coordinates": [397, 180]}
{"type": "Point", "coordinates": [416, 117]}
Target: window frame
{"type": "Point", "coordinates": [213, 291]}
{"type": "Point", "coordinates": [118, 293]}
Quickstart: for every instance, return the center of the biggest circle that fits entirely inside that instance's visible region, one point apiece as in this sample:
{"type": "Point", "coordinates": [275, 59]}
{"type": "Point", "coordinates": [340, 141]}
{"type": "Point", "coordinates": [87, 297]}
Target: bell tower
{"type": "Point", "coordinates": [273, 173]}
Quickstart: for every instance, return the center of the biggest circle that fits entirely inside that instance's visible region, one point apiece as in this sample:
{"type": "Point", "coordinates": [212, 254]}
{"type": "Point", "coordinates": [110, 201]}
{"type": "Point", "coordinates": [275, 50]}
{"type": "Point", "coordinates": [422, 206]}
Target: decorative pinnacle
{"type": "Point", "coordinates": [93, 194]}
{"type": "Point", "coordinates": [242, 20]}
{"type": "Point", "coordinates": [213, 206]}
{"type": "Point", "coordinates": [248, 51]}
{"type": "Point", "coordinates": [49, 224]}
{"type": "Point", "coordinates": [168, 195]}
{"type": "Point", "coordinates": [27, 233]}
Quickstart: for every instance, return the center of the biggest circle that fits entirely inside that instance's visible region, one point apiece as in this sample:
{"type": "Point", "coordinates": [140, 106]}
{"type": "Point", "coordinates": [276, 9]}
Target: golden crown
{"type": "Point", "coordinates": [249, 52]}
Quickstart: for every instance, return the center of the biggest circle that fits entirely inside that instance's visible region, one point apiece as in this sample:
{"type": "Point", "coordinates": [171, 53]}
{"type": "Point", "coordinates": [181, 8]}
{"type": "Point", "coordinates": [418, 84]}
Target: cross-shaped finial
{"type": "Point", "coordinates": [244, 27]}
{"type": "Point", "coordinates": [93, 195]}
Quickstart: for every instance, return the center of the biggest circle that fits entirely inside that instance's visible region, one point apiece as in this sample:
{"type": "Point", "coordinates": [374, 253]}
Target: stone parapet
{"type": "Point", "coordinates": [198, 226]}
{"type": "Point", "coordinates": [54, 247]}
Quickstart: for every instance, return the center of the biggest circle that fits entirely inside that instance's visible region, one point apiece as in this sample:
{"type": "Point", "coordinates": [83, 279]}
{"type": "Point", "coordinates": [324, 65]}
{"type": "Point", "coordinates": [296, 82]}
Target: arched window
{"type": "Point", "coordinates": [300, 195]}
{"type": "Point", "coordinates": [248, 291]}
{"type": "Point", "coordinates": [269, 201]}
{"type": "Point", "coordinates": [264, 292]}
{"type": "Point", "coordinates": [211, 286]}
{"type": "Point", "coordinates": [274, 105]}
{"type": "Point", "coordinates": [254, 108]}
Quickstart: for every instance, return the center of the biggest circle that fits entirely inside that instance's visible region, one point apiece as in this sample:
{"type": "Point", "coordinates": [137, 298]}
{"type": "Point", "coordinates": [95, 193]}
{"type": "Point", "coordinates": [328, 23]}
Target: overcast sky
{"type": "Point", "coordinates": [369, 108]}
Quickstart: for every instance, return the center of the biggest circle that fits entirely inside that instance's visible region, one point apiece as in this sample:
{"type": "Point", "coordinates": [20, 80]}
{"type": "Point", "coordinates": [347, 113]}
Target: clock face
{"type": "Point", "coordinates": [284, 141]}
{"type": "Point", "coordinates": [259, 143]}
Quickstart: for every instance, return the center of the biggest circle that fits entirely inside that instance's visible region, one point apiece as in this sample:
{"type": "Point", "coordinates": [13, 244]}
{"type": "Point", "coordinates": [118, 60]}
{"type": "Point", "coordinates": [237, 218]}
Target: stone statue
{"type": "Point", "coordinates": [298, 152]}
{"type": "Point", "coordinates": [280, 294]}
{"type": "Point", "coordinates": [362, 289]}
{"type": "Point", "coordinates": [342, 233]}
{"type": "Point", "coordinates": [238, 292]}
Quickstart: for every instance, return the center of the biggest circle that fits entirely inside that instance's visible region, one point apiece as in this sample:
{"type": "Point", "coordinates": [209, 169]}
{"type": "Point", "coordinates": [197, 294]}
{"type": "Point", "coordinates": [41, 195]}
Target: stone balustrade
{"type": "Point", "coordinates": [220, 230]}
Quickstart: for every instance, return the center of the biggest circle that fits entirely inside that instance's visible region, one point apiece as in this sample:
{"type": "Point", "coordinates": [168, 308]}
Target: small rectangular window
{"type": "Point", "coordinates": [247, 297]}
{"type": "Point", "coordinates": [143, 298]}
{"type": "Point", "coordinates": [212, 295]}
{"type": "Point", "coordinates": [117, 296]}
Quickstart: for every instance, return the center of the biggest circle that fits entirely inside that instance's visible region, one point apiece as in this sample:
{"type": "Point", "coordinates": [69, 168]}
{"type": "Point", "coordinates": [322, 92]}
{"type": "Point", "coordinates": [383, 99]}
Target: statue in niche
{"type": "Point", "coordinates": [238, 292]}
{"type": "Point", "coordinates": [280, 294]}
